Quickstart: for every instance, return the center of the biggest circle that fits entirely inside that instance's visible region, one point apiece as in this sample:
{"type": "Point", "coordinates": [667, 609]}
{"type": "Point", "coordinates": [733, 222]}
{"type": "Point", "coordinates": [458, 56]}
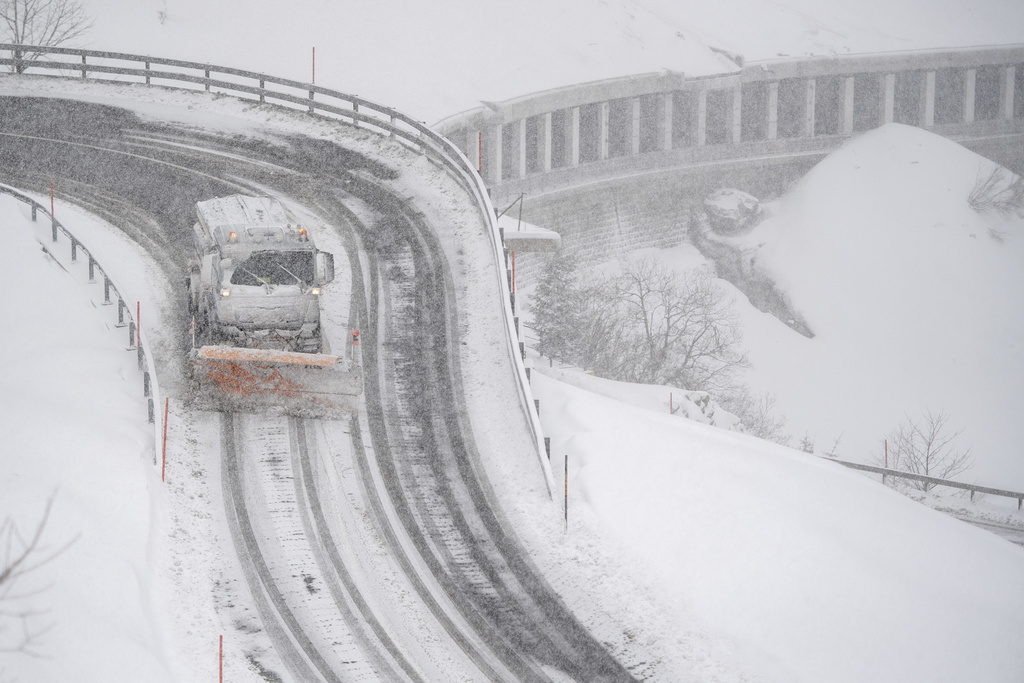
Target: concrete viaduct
{"type": "Point", "coordinates": [773, 112]}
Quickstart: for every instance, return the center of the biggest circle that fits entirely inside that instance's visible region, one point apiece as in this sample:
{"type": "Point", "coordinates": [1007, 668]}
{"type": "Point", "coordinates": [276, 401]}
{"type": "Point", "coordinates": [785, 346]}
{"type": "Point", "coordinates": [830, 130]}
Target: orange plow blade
{"type": "Point", "coordinates": [256, 380]}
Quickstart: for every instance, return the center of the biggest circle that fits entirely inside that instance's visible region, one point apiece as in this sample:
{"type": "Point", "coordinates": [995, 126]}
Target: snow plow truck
{"type": "Point", "coordinates": [254, 297]}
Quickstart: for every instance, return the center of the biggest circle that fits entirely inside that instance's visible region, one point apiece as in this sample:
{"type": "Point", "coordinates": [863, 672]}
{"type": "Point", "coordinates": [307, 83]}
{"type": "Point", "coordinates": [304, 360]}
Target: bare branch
{"type": "Point", "coordinates": [21, 629]}
{"type": "Point", "coordinates": [41, 24]}
{"type": "Point", "coordinates": [926, 446]}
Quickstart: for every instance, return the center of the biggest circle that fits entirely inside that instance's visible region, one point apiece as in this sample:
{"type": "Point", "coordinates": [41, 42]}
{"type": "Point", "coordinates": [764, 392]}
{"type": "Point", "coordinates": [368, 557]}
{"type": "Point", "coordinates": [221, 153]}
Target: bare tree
{"type": "Point", "coordinates": [21, 625]}
{"type": "Point", "coordinates": [757, 416]}
{"type": "Point", "coordinates": [926, 446]}
{"type": "Point", "coordinates": [42, 24]}
{"type": "Point", "coordinates": [999, 190]}
{"type": "Point", "coordinates": [681, 329]}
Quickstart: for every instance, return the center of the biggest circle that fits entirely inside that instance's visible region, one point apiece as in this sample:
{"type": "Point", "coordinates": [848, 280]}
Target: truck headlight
{"type": "Point", "coordinates": [315, 291]}
{"type": "Point", "coordinates": [225, 292]}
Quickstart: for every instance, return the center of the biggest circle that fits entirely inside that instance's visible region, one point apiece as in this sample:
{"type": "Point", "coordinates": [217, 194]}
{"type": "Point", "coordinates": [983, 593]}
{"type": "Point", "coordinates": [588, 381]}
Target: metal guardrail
{"type": "Point", "coordinates": [333, 104]}
{"type": "Point", "coordinates": [124, 313]}
{"type": "Point", "coordinates": [932, 480]}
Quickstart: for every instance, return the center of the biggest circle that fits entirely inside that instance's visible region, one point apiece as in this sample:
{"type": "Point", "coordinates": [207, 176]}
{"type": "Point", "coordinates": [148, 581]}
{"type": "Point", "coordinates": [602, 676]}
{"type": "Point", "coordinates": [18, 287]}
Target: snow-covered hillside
{"type": "Point", "coordinates": [798, 569]}
{"type": "Point", "coordinates": [73, 430]}
{"type": "Point", "coordinates": [436, 59]}
{"type": "Point", "coordinates": [913, 297]}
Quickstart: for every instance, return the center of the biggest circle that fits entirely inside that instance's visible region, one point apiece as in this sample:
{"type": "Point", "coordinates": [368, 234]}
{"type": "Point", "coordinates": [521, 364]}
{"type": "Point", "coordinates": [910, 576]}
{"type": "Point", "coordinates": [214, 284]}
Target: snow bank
{"type": "Point", "coordinates": [811, 572]}
{"type": "Point", "coordinates": [913, 297]}
{"type": "Point", "coordinates": [73, 426]}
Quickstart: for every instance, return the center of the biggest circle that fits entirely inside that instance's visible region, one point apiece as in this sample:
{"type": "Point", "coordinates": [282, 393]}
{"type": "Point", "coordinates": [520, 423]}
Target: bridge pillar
{"type": "Point", "coordinates": [473, 152]}
{"type": "Point", "coordinates": [736, 115]}
{"type": "Point", "coordinates": [634, 133]}
{"type": "Point", "coordinates": [544, 143]}
{"type": "Point", "coordinates": [1006, 83]}
{"type": "Point", "coordinates": [809, 101]}
{"type": "Point", "coordinates": [888, 97]}
{"type": "Point", "coordinates": [927, 119]}
{"type": "Point", "coordinates": [846, 126]}
{"type": "Point", "coordinates": [521, 166]}
{"type": "Point", "coordinates": [572, 137]}
{"type": "Point", "coordinates": [773, 110]}
{"type": "Point", "coordinates": [494, 156]}
{"type": "Point", "coordinates": [702, 118]}
{"type": "Point", "coordinates": [604, 110]}
{"type": "Point", "coordinates": [970, 89]}
{"type": "Point", "coordinates": [665, 121]}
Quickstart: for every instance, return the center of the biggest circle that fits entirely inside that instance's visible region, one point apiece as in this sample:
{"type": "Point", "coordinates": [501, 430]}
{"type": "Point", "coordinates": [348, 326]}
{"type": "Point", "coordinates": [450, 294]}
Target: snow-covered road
{"type": "Point", "coordinates": [412, 575]}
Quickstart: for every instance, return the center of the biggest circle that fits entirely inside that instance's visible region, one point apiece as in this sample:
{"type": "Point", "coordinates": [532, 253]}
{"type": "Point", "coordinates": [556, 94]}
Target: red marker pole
{"type": "Point", "coordinates": [566, 492]}
{"type": "Point", "coordinates": [163, 464]}
{"type": "Point", "coordinates": [479, 152]}
{"type": "Point", "coordinates": [513, 271]}
{"type": "Point", "coordinates": [220, 659]}
{"type": "Point", "coordinates": [138, 325]}
{"type": "Point", "coordinates": [314, 66]}
{"type": "Point", "coordinates": [887, 454]}
{"type": "Point", "coordinates": [51, 200]}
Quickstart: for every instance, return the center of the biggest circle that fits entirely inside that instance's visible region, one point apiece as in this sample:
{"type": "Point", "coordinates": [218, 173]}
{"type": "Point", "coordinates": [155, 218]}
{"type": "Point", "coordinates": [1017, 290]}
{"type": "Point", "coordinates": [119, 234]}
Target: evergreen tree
{"type": "Point", "coordinates": [557, 318]}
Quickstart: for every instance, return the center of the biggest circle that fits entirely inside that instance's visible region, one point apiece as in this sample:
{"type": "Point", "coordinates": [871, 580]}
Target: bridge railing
{"type": "Point", "coordinates": [263, 88]}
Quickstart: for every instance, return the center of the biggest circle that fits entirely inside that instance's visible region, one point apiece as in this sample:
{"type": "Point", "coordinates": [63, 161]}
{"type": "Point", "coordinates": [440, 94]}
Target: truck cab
{"type": "Point", "coordinates": [256, 277]}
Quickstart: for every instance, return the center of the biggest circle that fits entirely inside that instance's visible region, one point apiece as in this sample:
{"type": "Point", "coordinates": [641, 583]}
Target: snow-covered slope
{"type": "Point", "coordinates": [914, 298]}
{"type": "Point", "coordinates": [436, 59]}
{"type": "Point", "coordinates": [803, 570]}
{"type": "Point", "coordinates": [73, 427]}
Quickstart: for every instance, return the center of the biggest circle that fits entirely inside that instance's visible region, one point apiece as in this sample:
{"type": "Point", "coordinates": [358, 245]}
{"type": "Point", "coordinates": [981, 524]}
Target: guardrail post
{"type": "Point", "coordinates": [34, 207]}
{"type": "Point", "coordinates": [355, 110]}
{"type": "Point", "coordinates": [83, 66]}
{"type": "Point", "coordinates": [391, 134]}
{"type": "Point", "coordinates": [146, 389]}
{"type": "Point", "coordinates": [263, 96]}
{"type": "Point", "coordinates": [120, 311]}
{"type": "Point", "coordinates": [106, 290]}
{"type": "Point", "coordinates": [310, 101]}
{"type": "Point", "coordinates": [131, 335]}
{"type": "Point", "coordinates": [53, 228]}
{"type": "Point", "coordinates": [151, 417]}
{"type": "Point", "coordinates": [74, 250]}
{"type": "Point", "coordinates": [147, 72]}
{"type": "Point", "coordinates": [92, 269]}
{"type": "Point", "coordinates": [142, 357]}
{"type": "Point", "coordinates": [207, 76]}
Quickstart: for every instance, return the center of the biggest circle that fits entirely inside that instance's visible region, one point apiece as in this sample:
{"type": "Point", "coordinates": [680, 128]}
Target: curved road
{"type": "Point", "coordinates": [145, 178]}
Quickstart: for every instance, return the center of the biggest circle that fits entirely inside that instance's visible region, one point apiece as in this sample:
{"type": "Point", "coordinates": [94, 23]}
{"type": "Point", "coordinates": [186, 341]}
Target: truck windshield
{"type": "Point", "coordinates": [275, 268]}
